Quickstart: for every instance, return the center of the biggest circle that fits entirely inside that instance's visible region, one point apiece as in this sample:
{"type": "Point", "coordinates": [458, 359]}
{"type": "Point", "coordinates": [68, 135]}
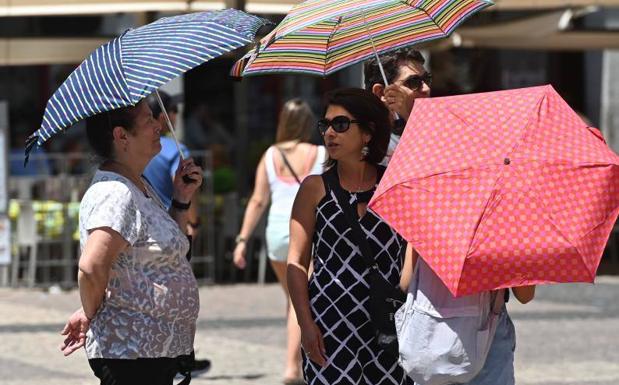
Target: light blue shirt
{"type": "Point", "coordinates": [161, 169]}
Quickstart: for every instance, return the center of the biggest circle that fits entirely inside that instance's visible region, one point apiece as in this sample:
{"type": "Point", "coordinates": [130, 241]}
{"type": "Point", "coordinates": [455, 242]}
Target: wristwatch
{"type": "Point", "coordinates": [239, 239]}
{"type": "Point", "coordinates": [180, 205]}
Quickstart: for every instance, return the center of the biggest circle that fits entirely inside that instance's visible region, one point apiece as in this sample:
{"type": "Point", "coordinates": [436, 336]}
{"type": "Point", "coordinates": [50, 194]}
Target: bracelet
{"type": "Point", "coordinates": [180, 205]}
{"type": "Point", "coordinates": [239, 239]}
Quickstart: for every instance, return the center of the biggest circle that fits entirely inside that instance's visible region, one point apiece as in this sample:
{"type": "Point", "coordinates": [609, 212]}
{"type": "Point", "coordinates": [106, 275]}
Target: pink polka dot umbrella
{"type": "Point", "coordinates": [502, 189]}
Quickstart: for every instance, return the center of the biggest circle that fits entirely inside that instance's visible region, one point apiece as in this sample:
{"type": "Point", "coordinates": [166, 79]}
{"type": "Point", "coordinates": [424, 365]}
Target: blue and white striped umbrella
{"type": "Point", "coordinates": [132, 66]}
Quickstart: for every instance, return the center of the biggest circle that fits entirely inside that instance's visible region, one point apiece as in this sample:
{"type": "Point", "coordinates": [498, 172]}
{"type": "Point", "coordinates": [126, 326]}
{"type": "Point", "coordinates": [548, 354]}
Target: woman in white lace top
{"type": "Point", "coordinates": [139, 296]}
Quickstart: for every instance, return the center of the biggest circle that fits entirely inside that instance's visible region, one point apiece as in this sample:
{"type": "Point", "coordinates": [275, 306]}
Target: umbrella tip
{"type": "Point", "coordinates": [30, 144]}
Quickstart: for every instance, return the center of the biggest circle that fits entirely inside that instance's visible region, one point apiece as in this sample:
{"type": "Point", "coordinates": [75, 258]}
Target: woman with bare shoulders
{"type": "Point", "coordinates": [280, 172]}
{"type": "Point", "coordinates": [338, 339]}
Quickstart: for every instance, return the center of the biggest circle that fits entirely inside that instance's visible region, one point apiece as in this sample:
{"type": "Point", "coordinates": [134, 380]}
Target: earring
{"type": "Point", "coordinates": [125, 148]}
{"type": "Point", "coordinates": [365, 151]}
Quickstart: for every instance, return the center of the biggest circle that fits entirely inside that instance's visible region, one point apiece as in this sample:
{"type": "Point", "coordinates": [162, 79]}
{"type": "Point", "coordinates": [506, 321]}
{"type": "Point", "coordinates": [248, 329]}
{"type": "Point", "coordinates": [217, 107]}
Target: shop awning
{"type": "Point", "coordinates": [503, 5]}
{"type": "Point", "coordinates": [549, 31]}
{"type": "Point", "coordinates": [558, 41]}
{"type": "Point", "coordinates": [27, 51]}
{"type": "Point", "coordinates": [76, 7]}
{"type": "Point", "coordinates": [252, 6]}
{"type": "Point", "coordinates": [81, 7]}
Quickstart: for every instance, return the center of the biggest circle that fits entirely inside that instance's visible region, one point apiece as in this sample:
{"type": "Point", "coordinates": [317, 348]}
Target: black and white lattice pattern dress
{"type": "Point", "coordinates": [339, 295]}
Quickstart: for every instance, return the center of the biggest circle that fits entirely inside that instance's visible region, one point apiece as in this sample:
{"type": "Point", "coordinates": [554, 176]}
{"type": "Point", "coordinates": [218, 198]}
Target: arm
{"type": "Point", "coordinates": [102, 248]}
{"type": "Point", "coordinates": [302, 225]}
{"type": "Point", "coordinates": [193, 220]}
{"type": "Point", "coordinates": [410, 259]}
{"type": "Point", "coordinates": [255, 208]}
{"type": "Point", "coordinates": [183, 192]}
{"type": "Point", "coordinates": [524, 294]}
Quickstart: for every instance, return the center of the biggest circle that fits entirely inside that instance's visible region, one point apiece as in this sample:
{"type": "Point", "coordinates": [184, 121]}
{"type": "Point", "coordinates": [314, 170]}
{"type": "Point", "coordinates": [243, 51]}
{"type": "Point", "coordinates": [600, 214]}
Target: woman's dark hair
{"type": "Point", "coordinates": [99, 128]}
{"type": "Point", "coordinates": [364, 106]}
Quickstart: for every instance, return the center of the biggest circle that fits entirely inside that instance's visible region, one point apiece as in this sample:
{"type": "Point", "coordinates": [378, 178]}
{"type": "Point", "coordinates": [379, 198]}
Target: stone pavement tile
{"type": "Point", "coordinates": [576, 372]}
{"type": "Point", "coordinates": [237, 362]}
{"type": "Point", "coordinates": [568, 335]}
{"type": "Point", "coordinates": [33, 358]}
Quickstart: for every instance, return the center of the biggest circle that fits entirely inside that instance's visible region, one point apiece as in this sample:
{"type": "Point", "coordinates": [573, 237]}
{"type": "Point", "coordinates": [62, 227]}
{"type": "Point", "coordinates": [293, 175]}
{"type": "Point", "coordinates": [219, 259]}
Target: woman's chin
{"type": "Point", "coordinates": [333, 153]}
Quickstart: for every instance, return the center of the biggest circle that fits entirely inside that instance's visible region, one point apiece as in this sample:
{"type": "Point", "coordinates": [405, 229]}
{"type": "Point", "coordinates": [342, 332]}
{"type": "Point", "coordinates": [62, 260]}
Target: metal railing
{"type": "Point", "coordinates": [44, 213]}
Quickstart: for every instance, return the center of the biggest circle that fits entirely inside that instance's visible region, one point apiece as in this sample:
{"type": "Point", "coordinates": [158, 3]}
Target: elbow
{"type": "Point", "coordinates": [90, 271]}
{"type": "Point", "coordinates": [524, 300]}
{"type": "Point", "coordinates": [259, 203]}
{"type": "Point", "coordinates": [85, 269]}
{"type": "Point", "coordinates": [524, 294]}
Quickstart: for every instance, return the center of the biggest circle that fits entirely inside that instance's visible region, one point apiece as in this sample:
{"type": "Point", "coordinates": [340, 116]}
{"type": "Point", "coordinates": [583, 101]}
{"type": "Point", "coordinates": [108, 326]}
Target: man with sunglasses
{"type": "Point", "coordinates": [408, 80]}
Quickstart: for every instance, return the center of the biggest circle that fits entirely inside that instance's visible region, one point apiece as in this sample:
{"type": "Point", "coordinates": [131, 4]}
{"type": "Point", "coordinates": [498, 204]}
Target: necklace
{"type": "Point", "coordinates": [353, 195]}
{"type": "Point", "coordinates": [126, 172]}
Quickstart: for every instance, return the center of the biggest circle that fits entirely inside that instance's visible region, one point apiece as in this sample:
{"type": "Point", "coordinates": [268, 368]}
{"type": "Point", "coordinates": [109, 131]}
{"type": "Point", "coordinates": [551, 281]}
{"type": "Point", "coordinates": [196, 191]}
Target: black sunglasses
{"type": "Point", "coordinates": [340, 124]}
{"type": "Point", "coordinates": [415, 82]}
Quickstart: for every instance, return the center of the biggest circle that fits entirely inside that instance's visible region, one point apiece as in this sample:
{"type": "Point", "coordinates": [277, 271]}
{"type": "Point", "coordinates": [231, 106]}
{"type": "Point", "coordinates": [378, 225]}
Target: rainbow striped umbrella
{"type": "Point", "coordinates": [320, 37]}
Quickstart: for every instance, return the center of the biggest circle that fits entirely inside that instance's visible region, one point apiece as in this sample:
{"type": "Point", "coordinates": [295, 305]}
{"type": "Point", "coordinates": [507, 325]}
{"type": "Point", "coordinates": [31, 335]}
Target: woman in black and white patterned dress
{"type": "Point", "coordinates": [337, 336]}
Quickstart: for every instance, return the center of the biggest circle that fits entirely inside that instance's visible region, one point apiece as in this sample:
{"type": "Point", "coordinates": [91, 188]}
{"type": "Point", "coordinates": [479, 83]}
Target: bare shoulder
{"type": "Point", "coordinates": [312, 189]}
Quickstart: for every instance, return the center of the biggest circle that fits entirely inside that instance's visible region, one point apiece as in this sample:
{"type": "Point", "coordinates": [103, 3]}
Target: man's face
{"type": "Point", "coordinates": [413, 75]}
{"type": "Point", "coordinates": [172, 114]}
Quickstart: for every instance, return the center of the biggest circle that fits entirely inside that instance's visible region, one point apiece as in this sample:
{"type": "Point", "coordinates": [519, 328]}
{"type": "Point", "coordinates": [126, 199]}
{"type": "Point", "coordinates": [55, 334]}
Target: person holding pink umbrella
{"type": "Point", "coordinates": [408, 80]}
{"type": "Point", "coordinates": [502, 189]}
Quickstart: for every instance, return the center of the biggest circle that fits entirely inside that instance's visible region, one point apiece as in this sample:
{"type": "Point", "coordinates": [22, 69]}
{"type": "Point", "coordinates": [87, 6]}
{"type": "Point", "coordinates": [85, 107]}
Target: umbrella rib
{"type": "Point", "coordinates": [525, 132]}
{"type": "Point", "coordinates": [433, 21]}
{"type": "Point", "coordinates": [337, 25]}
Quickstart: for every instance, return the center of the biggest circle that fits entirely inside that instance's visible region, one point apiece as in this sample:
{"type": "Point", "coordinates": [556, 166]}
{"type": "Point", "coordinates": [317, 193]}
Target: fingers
{"type": "Point", "coordinates": [316, 355]}
{"type": "Point", "coordinates": [72, 344]}
{"type": "Point", "coordinates": [321, 345]}
{"type": "Point", "coordinates": [239, 261]}
{"type": "Point", "coordinates": [315, 348]}
{"type": "Point", "coordinates": [65, 329]}
{"type": "Point", "coordinates": [188, 168]}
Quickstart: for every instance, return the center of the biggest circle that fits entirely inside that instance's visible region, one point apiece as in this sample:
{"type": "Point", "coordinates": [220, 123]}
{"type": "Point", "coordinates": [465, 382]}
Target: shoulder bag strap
{"type": "Point", "coordinates": [364, 247]}
{"type": "Point", "coordinates": [288, 165]}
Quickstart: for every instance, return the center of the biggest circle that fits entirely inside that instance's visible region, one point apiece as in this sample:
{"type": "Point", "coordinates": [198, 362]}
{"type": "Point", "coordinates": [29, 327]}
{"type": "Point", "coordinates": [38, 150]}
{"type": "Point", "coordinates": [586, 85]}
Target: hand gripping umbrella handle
{"type": "Point", "coordinates": [186, 178]}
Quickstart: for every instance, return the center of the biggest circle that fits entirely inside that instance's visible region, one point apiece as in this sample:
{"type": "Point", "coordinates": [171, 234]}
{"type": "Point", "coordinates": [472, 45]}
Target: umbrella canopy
{"type": "Point", "coordinates": [319, 37]}
{"type": "Point", "coordinates": [502, 189]}
{"type": "Point", "coordinates": [132, 66]}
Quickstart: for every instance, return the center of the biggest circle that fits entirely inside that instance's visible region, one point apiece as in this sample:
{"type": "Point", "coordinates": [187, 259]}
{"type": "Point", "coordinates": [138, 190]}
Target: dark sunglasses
{"type": "Point", "coordinates": [415, 82]}
{"type": "Point", "coordinates": [339, 123]}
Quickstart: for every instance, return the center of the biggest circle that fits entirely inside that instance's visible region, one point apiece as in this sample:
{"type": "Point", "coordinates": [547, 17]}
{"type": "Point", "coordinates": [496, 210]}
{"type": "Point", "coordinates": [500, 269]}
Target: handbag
{"type": "Point", "coordinates": [385, 299]}
{"type": "Point", "coordinates": [449, 345]}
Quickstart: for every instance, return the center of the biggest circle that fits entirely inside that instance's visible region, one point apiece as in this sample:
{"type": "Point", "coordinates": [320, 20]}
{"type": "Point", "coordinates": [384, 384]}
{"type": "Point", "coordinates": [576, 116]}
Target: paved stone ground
{"type": "Point", "coordinates": [568, 335]}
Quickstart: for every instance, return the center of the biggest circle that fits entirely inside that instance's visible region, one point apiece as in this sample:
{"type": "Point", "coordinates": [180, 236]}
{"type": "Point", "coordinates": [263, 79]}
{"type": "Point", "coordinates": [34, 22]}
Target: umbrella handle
{"type": "Point", "coordinates": [380, 65]}
{"type": "Point", "coordinates": [186, 179]}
